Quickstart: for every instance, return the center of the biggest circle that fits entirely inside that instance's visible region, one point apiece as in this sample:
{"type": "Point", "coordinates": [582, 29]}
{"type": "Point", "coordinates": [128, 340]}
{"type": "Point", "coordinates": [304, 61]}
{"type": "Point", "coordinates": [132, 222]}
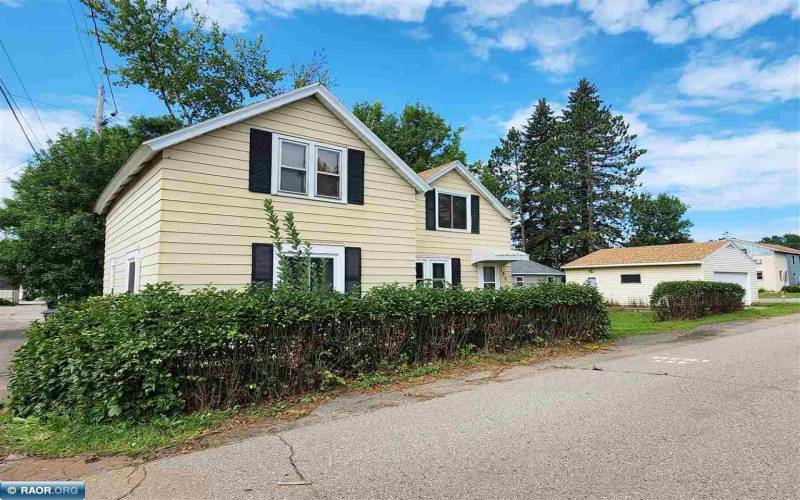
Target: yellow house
{"type": "Point", "coordinates": [187, 207]}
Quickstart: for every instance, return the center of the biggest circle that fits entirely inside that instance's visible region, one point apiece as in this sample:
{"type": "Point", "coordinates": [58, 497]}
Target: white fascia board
{"type": "Point", "coordinates": [466, 174]}
{"type": "Point", "coordinates": [148, 149]}
{"type": "Point", "coordinates": [638, 264]}
{"type": "Point", "coordinates": [730, 244]}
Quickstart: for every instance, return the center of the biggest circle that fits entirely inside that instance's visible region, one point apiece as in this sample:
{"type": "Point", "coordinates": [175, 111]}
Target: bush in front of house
{"type": "Point", "coordinates": [791, 289]}
{"type": "Point", "coordinates": [160, 352]}
{"type": "Point", "coordinates": [694, 299]}
{"type": "Point", "coordinates": [6, 302]}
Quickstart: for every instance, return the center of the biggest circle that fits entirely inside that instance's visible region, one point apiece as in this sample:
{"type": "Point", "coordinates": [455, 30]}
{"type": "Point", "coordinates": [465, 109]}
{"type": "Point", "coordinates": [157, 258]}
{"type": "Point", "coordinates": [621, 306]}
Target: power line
{"type": "Point", "coordinates": [103, 57]}
{"type": "Point", "coordinates": [13, 104]}
{"type": "Point", "coordinates": [24, 89]}
{"type": "Point", "coordinates": [72, 110]}
{"type": "Point", "coordinates": [80, 42]}
{"type": "Point", "coordinates": [8, 101]}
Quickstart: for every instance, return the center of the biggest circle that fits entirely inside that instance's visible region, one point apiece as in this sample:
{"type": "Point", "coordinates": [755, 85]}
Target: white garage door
{"type": "Point", "coordinates": [738, 278]}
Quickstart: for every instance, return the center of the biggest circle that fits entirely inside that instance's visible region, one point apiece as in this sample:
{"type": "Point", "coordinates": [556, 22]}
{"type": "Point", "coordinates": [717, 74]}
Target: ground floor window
{"type": "Point", "coordinates": [489, 276]}
{"type": "Point", "coordinates": [519, 281]}
{"type": "Point", "coordinates": [591, 281]}
{"type": "Point", "coordinates": [437, 271]}
{"type": "Point", "coordinates": [132, 272]}
{"type": "Point", "coordinates": [630, 278]}
{"type": "Point", "coordinates": [760, 275]}
{"type": "Point", "coordinates": [325, 268]}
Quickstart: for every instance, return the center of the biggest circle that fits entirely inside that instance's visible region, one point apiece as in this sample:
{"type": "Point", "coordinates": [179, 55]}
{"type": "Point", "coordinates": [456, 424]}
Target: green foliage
{"type": "Point", "coordinates": [55, 241]}
{"type": "Point", "coordinates": [420, 136]}
{"type": "Point", "coordinates": [790, 240]}
{"type": "Point", "coordinates": [791, 289]}
{"type": "Point", "coordinates": [188, 62]}
{"type": "Point", "coordinates": [160, 352]}
{"type": "Point", "coordinates": [6, 302]}
{"type": "Point", "coordinates": [657, 220]}
{"type": "Point", "coordinates": [506, 169]}
{"type": "Point", "coordinates": [694, 299]}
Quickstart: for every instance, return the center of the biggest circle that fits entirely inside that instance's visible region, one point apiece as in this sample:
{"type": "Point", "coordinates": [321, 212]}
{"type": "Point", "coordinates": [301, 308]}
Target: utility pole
{"type": "Point", "coordinates": [98, 110]}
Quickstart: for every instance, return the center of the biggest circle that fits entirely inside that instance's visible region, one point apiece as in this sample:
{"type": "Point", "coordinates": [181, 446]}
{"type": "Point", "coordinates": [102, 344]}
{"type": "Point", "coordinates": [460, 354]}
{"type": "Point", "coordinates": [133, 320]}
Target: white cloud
{"type": "Point", "coordinates": [419, 33]}
{"type": "Point", "coordinates": [14, 149]}
{"type": "Point", "coordinates": [736, 78]}
{"type": "Point", "coordinates": [751, 232]}
{"type": "Point", "coordinates": [731, 18]}
{"type": "Point", "coordinates": [11, 3]}
{"type": "Point", "coordinates": [756, 169]}
{"type": "Point", "coordinates": [519, 117]}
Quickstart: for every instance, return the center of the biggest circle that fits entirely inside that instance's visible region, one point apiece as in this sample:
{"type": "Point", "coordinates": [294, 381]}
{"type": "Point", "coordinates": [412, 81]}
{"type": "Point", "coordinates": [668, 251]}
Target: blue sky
{"type": "Point", "coordinates": [712, 87]}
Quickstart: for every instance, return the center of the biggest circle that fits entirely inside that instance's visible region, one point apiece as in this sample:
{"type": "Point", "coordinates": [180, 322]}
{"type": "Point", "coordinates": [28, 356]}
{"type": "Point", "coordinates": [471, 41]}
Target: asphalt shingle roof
{"type": "Point", "coordinates": [654, 254]}
{"type": "Point", "coordinates": [530, 267]}
{"type": "Point", "coordinates": [780, 248]}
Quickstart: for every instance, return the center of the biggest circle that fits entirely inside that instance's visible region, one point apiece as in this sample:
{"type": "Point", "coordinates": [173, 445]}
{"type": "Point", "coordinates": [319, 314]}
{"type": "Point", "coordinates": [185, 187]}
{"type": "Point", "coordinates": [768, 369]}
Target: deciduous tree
{"type": "Point", "coordinates": [657, 220]}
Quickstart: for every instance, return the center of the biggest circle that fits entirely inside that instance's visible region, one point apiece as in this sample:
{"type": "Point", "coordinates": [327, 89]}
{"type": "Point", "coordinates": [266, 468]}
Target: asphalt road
{"type": "Point", "coordinates": [714, 413]}
{"type": "Point", "coordinates": [13, 322]}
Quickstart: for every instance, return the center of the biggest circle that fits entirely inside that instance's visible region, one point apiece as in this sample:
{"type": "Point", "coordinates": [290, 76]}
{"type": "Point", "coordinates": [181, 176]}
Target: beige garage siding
{"type": "Point", "coordinates": [610, 286]}
{"type": "Point", "coordinates": [495, 233]}
{"type": "Point", "coordinates": [133, 225]}
{"type": "Point", "coordinates": [210, 218]}
{"type": "Point", "coordinates": [731, 259]}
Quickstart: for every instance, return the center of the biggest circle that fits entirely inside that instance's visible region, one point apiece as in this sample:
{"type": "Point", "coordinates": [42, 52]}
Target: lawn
{"type": "Point", "coordinates": [631, 323]}
{"type": "Point", "coordinates": [777, 295]}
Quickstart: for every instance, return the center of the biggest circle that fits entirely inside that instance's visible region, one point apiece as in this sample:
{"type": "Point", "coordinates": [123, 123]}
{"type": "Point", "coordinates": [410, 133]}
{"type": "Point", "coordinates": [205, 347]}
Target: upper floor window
{"type": "Point", "coordinates": [309, 169]}
{"type": "Point", "coordinates": [452, 211]}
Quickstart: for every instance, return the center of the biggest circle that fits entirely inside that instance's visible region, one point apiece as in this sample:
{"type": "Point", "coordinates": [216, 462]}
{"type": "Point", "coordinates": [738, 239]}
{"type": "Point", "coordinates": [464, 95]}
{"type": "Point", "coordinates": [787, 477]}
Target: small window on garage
{"type": "Point", "coordinates": [630, 278]}
{"type": "Point", "coordinates": [760, 275]}
{"type": "Point", "coordinates": [519, 280]}
{"type": "Point", "coordinates": [591, 281]}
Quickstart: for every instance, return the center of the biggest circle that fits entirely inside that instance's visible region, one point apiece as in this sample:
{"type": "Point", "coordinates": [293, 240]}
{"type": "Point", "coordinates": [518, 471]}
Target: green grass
{"type": "Point", "coordinates": [776, 295]}
{"type": "Point", "coordinates": [60, 436]}
{"type": "Point", "coordinates": [630, 323]}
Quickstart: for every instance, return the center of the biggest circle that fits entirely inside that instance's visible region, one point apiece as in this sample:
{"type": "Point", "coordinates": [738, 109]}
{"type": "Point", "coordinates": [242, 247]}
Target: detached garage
{"type": "Point", "coordinates": [627, 276]}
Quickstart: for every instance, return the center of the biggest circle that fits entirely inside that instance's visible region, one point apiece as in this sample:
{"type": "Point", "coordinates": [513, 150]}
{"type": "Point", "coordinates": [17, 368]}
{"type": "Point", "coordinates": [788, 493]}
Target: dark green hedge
{"type": "Point", "coordinates": [160, 352]}
{"type": "Point", "coordinates": [791, 289]}
{"type": "Point", "coordinates": [693, 299]}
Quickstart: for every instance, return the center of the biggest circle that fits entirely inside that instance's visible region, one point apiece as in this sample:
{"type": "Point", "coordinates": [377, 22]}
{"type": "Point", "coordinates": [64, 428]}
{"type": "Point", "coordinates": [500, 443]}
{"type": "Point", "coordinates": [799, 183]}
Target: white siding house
{"type": "Point", "coordinates": [627, 276]}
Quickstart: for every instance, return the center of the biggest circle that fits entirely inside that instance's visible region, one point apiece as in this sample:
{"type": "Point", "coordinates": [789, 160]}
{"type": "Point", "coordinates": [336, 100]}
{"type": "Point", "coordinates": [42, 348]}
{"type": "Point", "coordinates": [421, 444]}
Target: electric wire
{"type": "Point", "coordinates": [25, 89]}
{"type": "Point", "coordinates": [18, 112]}
{"type": "Point", "coordinates": [13, 112]}
{"type": "Point", "coordinates": [103, 57]}
{"type": "Point", "coordinates": [83, 51]}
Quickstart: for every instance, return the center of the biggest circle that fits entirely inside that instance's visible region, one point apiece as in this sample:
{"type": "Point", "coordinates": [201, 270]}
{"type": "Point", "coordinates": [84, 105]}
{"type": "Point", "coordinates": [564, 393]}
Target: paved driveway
{"type": "Point", "coordinates": [714, 413]}
{"type": "Point", "coordinates": [13, 322]}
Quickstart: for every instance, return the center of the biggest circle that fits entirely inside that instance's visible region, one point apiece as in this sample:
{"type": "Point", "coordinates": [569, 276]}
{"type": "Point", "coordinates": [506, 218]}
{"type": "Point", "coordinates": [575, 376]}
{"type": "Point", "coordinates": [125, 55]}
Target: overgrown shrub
{"type": "Point", "coordinates": [693, 299]}
{"type": "Point", "coordinates": [160, 352]}
{"type": "Point", "coordinates": [791, 289]}
{"type": "Point", "coordinates": [6, 302]}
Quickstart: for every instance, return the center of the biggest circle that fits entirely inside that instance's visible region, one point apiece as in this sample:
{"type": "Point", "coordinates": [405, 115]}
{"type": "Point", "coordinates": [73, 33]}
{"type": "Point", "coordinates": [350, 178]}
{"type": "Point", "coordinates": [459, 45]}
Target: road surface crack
{"type": "Point", "coordinates": [302, 479]}
{"type": "Point", "coordinates": [673, 375]}
{"type": "Point", "coordinates": [144, 476]}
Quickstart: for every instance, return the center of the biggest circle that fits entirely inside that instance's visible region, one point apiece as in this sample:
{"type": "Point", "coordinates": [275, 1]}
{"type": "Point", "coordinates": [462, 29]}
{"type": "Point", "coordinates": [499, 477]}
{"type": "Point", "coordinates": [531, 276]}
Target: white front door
{"type": "Point", "coordinates": [737, 278]}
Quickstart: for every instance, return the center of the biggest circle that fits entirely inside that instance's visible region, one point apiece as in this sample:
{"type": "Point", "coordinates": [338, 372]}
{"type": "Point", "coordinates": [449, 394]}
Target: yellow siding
{"type": "Point", "coordinates": [209, 218]}
{"type": "Point", "coordinates": [133, 224]}
{"type": "Point", "coordinates": [609, 285]}
{"type": "Point", "coordinates": [495, 233]}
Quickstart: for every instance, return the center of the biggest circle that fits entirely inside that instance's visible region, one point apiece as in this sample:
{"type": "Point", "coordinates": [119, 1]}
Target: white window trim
{"type": "Point", "coordinates": [112, 275]}
{"type": "Point", "coordinates": [469, 211]}
{"type": "Point", "coordinates": [427, 268]}
{"type": "Point", "coordinates": [591, 281]}
{"type": "Point", "coordinates": [481, 281]}
{"type": "Point", "coordinates": [322, 251]}
{"type": "Point", "coordinates": [519, 281]}
{"type": "Point", "coordinates": [136, 258]}
{"type": "Point", "coordinates": [311, 168]}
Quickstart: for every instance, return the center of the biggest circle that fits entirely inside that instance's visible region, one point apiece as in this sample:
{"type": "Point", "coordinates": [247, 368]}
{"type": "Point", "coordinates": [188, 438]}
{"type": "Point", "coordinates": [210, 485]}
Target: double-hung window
{"type": "Point", "coordinates": [489, 276]}
{"type": "Point", "coordinates": [519, 281]}
{"type": "Point", "coordinates": [452, 211]}
{"type": "Point", "coordinates": [309, 169]}
{"type": "Point", "coordinates": [325, 268]}
{"type": "Point", "coordinates": [437, 271]}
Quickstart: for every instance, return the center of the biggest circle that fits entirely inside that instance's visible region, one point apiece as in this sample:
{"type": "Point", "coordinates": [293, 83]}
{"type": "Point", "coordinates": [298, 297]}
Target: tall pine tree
{"type": "Point", "coordinates": [600, 156]}
{"type": "Point", "coordinates": [505, 168]}
{"type": "Point", "coordinates": [544, 201]}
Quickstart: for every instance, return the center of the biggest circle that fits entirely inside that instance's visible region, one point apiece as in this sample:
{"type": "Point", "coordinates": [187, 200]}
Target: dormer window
{"type": "Point", "coordinates": [309, 169]}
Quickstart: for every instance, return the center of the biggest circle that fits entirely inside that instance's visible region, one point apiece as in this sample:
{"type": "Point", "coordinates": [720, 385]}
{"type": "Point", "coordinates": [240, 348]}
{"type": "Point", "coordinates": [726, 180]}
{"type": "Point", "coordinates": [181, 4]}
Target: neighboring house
{"type": "Point", "coordinates": [187, 207]}
{"type": "Point", "coordinates": [8, 291]}
{"type": "Point", "coordinates": [777, 266]}
{"type": "Point", "coordinates": [527, 273]}
{"type": "Point", "coordinates": [628, 275]}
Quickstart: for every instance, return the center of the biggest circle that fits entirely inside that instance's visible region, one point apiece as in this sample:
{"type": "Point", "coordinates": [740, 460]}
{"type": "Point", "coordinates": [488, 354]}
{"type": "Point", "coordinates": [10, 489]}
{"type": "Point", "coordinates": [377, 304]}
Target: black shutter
{"type": "Point", "coordinates": [430, 210]}
{"type": "Point", "coordinates": [262, 263]}
{"type": "Point", "coordinates": [352, 269]}
{"type": "Point", "coordinates": [455, 271]}
{"type": "Point", "coordinates": [355, 176]}
{"type": "Point", "coordinates": [260, 160]}
{"type": "Point", "coordinates": [475, 213]}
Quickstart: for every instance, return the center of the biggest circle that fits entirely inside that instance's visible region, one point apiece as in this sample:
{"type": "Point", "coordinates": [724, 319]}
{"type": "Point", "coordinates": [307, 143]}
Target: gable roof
{"type": "Point", "coordinates": [149, 149]}
{"type": "Point", "coordinates": [432, 174]}
{"type": "Point", "coordinates": [531, 267]}
{"type": "Point", "coordinates": [677, 253]}
{"type": "Point", "coordinates": [779, 248]}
